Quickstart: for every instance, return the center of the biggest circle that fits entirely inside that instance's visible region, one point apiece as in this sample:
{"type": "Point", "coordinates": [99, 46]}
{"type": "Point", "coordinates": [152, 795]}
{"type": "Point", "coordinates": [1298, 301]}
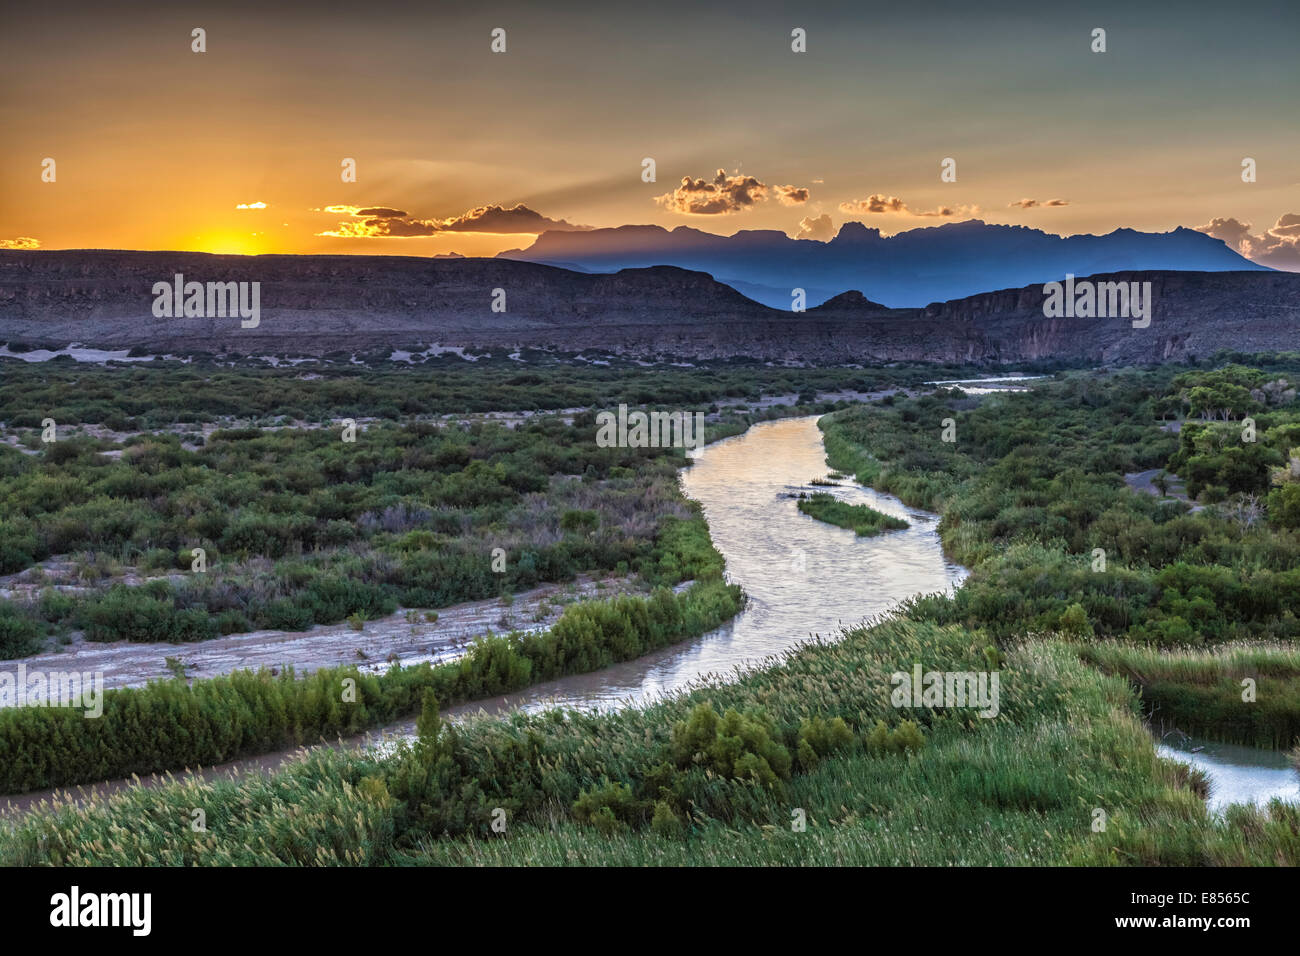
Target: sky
{"type": "Point", "coordinates": [457, 148]}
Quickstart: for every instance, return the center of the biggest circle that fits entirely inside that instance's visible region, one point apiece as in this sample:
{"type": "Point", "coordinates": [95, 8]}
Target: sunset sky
{"type": "Point", "coordinates": [157, 147]}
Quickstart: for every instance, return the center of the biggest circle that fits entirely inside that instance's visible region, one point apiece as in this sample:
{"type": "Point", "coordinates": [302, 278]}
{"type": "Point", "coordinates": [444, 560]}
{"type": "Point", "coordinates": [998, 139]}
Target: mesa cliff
{"type": "Point", "coordinates": [313, 305]}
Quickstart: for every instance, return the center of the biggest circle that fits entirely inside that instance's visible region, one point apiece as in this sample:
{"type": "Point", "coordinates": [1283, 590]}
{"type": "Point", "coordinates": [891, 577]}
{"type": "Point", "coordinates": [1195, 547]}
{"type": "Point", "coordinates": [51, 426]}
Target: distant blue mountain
{"type": "Point", "coordinates": [909, 269]}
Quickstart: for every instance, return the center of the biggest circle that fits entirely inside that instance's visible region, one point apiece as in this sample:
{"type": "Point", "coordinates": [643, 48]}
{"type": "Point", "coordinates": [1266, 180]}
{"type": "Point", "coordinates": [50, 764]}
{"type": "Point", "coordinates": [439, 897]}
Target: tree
{"type": "Point", "coordinates": [1284, 505]}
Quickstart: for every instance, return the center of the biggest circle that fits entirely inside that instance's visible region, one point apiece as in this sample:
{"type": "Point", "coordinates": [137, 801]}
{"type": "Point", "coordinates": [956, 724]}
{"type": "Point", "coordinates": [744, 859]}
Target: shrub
{"type": "Point", "coordinates": [18, 548]}
{"type": "Point", "coordinates": [138, 614]}
{"type": "Point", "coordinates": [19, 634]}
{"type": "Point", "coordinates": [735, 745]}
{"type": "Point", "coordinates": [1074, 622]}
{"type": "Point", "coordinates": [666, 823]}
{"type": "Point", "coordinates": [609, 808]}
{"type": "Point", "coordinates": [905, 738]}
{"type": "Point", "coordinates": [819, 737]}
{"type": "Point", "coordinates": [580, 522]}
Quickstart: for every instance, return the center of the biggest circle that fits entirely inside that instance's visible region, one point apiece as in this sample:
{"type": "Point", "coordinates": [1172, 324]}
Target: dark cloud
{"type": "Point", "coordinates": [381, 222]}
{"type": "Point", "coordinates": [792, 195]}
{"type": "Point", "coordinates": [1031, 203]}
{"type": "Point", "coordinates": [719, 196]}
{"type": "Point", "coordinates": [517, 218]}
{"type": "Point", "coordinates": [385, 229]}
{"type": "Point", "coordinates": [1234, 233]}
{"type": "Point", "coordinates": [874, 203]}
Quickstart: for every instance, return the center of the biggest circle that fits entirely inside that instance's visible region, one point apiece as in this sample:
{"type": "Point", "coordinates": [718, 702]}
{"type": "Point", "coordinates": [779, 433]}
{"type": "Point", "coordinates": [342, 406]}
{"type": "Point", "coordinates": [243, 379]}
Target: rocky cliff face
{"type": "Point", "coordinates": [1193, 313]}
{"type": "Point", "coordinates": [317, 304]}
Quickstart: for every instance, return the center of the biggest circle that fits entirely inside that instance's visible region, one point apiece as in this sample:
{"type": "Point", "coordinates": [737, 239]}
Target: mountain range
{"type": "Point", "coordinates": [909, 269]}
{"type": "Point", "coordinates": [315, 305]}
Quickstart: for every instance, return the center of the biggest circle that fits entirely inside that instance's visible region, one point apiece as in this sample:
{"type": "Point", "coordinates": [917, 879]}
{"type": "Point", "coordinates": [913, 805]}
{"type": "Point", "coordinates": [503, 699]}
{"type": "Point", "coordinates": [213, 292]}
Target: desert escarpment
{"type": "Point", "coordinates": [313, 305]}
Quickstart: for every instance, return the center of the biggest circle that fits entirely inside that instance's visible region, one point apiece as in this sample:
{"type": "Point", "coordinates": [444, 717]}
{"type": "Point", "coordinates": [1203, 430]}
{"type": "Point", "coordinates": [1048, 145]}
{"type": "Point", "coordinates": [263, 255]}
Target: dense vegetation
{"type": "Point", "coordinates": [300, 528]}
{"type": "Point", "coordinates": [1095, 601]}
{"type": "Point", "coordinates": [157, 395]}
{"type": "Point", "coordinates": [863, 519]}
{"type": "Point", "coordinates": [1201, 692]}
{"type": "Point", "coordinates": [1034, 500]}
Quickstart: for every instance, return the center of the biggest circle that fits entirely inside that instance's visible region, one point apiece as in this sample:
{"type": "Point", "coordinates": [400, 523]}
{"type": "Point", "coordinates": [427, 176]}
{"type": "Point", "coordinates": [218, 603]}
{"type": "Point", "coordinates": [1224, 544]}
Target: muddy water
{"type": "Point", "coordinates": [802, 577]}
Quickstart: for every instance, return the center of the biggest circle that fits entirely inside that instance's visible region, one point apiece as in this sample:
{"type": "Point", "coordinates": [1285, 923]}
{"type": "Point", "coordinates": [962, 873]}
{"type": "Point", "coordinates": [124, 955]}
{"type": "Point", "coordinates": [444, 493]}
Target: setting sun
{"type": "Point", "coordinates": [225, 244]}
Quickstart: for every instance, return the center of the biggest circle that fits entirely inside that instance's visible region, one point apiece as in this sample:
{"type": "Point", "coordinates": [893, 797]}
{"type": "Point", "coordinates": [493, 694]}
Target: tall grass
{"type": "Point", "coordinates": [1205, 692]}
{"type": "Point", "coordinates": [624, 788]}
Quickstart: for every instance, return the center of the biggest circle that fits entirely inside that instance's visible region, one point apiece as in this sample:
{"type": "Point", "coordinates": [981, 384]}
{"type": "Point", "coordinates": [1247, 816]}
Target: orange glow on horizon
{"type": "Point", "coordinates": [224, 244]}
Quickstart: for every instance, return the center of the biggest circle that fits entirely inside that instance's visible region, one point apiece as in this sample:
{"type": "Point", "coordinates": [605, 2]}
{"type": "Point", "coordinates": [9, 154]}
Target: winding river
{"type": "Point", "coordinates": [802, 577]}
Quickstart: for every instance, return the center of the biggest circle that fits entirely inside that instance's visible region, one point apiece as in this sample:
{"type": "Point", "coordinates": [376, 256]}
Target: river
{"type": "Point", "coordinates": [1237, 774]}
{"type": "Point", "coordinates": [802, 577]}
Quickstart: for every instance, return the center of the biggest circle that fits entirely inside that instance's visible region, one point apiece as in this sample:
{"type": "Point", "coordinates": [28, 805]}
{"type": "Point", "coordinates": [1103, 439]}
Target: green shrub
{"type": "Point", "coordinates": [819, 737]}
{"type": "Point", "coordinates": [580, 522]}
{"type": "Point", "coordinates": [610, 808]}
{"type": "Point", "coordinates": [734, 745]}
{"type": "Point", "coordinates": [860, 518]}
{"type": "Point", "coordinates": [1074, 622]}
{"type": "Point", "coordinates": [666, 823]}
{"type": "Point", "coordinates": [905, 738]}
{"type": "Point", "coordinates": [137, 614]}
{"type": "Point", "coordinates": [18, 548]}
{"type": "Point", "coordinates": [19, 634]}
